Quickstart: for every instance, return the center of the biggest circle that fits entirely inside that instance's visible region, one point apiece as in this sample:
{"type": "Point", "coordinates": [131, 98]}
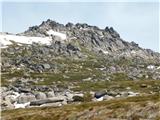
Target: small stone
{"type": "Point", "coordinates": [46, 66]}
{"type": "Point", "coordinates": [143, 85]}
{"type": "Point", "coordinates": [107, 97]}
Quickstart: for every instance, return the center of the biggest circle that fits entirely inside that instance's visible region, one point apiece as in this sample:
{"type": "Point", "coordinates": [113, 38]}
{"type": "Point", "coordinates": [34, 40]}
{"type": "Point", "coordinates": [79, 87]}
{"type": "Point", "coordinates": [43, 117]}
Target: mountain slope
{"type": "Point", "coordinates": [59, 60]}
{"type": "Point", "coordinates": [81, 42]}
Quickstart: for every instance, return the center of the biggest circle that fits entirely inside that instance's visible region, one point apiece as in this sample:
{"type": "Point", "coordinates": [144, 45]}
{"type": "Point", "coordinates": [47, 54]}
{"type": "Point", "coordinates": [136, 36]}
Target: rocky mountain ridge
{"type": "Point", "coordinates": [80, 42]}
{"type": "Point", "coordinates": [99, 40]}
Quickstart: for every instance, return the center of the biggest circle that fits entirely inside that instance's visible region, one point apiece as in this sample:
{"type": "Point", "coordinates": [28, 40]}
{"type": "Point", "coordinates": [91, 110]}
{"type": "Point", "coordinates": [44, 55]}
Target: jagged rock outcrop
{"type": "Point", "coordinates": [107, 40]}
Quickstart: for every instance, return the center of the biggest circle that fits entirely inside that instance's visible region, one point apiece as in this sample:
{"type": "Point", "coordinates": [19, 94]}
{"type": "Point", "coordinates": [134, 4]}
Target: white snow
{"type": "Point", "coordinates": [15, 95]}
{"type": "Point", "coordinates": [105, 52]}
{"type": "Point", "coordinates": [132, 94]}
{"type": "Point", "coordinates": [61, 35]}
{"type": "Point", "coordinates": [107, 97]}
{"type": "Point", "coordinates": [150, 67]}
{"type": "Point", "coordinates": [6, 40]}
{"type": "Point", "coordinates": [100, 99]}
{"type": "Point", "coordinates": [102, 68]}
{"type": "Point", "coordinates": [133, 52]}
{"type": "Point", "coordinates": [16, 105]}
{"type": "Point", "coordinates": [87, 79]}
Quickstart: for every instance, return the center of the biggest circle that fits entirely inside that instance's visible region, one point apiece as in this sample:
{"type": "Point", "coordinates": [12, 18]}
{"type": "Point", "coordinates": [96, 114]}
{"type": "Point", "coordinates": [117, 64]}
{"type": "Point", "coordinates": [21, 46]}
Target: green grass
{"type": "Point", "coordinates": [119, 80]}
{"type": "Point", "coordinates": [5, 77]}
{"type": "Point", "coordinates": [77, 70]}
{"type": "Point", "coordinates": [152, 85]}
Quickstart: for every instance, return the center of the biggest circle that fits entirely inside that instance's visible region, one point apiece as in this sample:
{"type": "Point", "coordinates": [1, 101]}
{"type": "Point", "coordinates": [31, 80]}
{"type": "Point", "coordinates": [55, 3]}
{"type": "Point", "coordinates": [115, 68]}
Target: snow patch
{"type": "Point", "coordinates": [16, 94]}
{"type": "Point", "coordinates": [16, 105]}
{"type": "Point", "coordinates": [132, 94]}
{"type": "Point", "coordinates": [100, 99]}
{"type": "Point", "coordinates": [6, 40]}
{"type": "Point", "coordinates": [151, 67]}
{"type": "Point", "coordinates": [61, 35]}
{"type": "Point", "coordinates": [133, 52]}
{"type": "Point", "coordinates": [87, 79]}
{"type": "Point", "coordinates": [103, 51]}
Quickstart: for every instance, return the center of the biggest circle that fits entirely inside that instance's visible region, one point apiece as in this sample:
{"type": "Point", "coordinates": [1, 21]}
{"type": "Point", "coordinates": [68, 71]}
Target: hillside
{"type": "Point", "coordinates": [53, 65]}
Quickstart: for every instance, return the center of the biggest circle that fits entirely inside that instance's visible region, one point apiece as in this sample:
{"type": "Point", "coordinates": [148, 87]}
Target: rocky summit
{"type": "Point", "coordinates": [54, 64]}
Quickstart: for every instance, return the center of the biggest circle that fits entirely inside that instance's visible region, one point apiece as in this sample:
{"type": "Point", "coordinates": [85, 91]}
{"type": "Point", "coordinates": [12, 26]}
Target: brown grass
{"type": "Point", "coordinates": [134, 108]}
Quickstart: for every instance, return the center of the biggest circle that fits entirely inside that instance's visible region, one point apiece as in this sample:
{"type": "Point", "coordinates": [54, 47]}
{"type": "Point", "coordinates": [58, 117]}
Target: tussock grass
{"type": "Point", "coordinates": [133, 107]}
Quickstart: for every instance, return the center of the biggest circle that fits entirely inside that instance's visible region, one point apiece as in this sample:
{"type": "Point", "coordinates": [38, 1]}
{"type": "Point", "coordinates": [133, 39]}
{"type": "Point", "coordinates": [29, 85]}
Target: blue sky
{"type": "Point", "coordinates": [135, 21]}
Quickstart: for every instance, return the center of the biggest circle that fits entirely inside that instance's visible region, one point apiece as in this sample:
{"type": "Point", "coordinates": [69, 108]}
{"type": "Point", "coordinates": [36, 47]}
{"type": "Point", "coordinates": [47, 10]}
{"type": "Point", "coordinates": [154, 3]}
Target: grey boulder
{"type": "Point", "coordinates": [50, 94]}
{"type": "Point", "coordinates": [100, 94]}
{"type": "Point", "coordinates": [47, 100]}
{"type": "Point", "coordinates": [24, 98]}
{"type": "Point", "coordinates": [40, 96]}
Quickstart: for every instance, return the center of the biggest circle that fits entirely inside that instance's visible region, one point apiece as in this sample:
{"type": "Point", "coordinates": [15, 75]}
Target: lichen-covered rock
{"type": "Point", "coordinates": [40, 96]}
{"type": "Point", "coordinates": [25, 98]}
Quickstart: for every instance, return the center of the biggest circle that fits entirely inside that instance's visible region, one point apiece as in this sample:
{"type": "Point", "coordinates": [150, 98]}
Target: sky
{"type": "Point", "coordinates": [135, 20]}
